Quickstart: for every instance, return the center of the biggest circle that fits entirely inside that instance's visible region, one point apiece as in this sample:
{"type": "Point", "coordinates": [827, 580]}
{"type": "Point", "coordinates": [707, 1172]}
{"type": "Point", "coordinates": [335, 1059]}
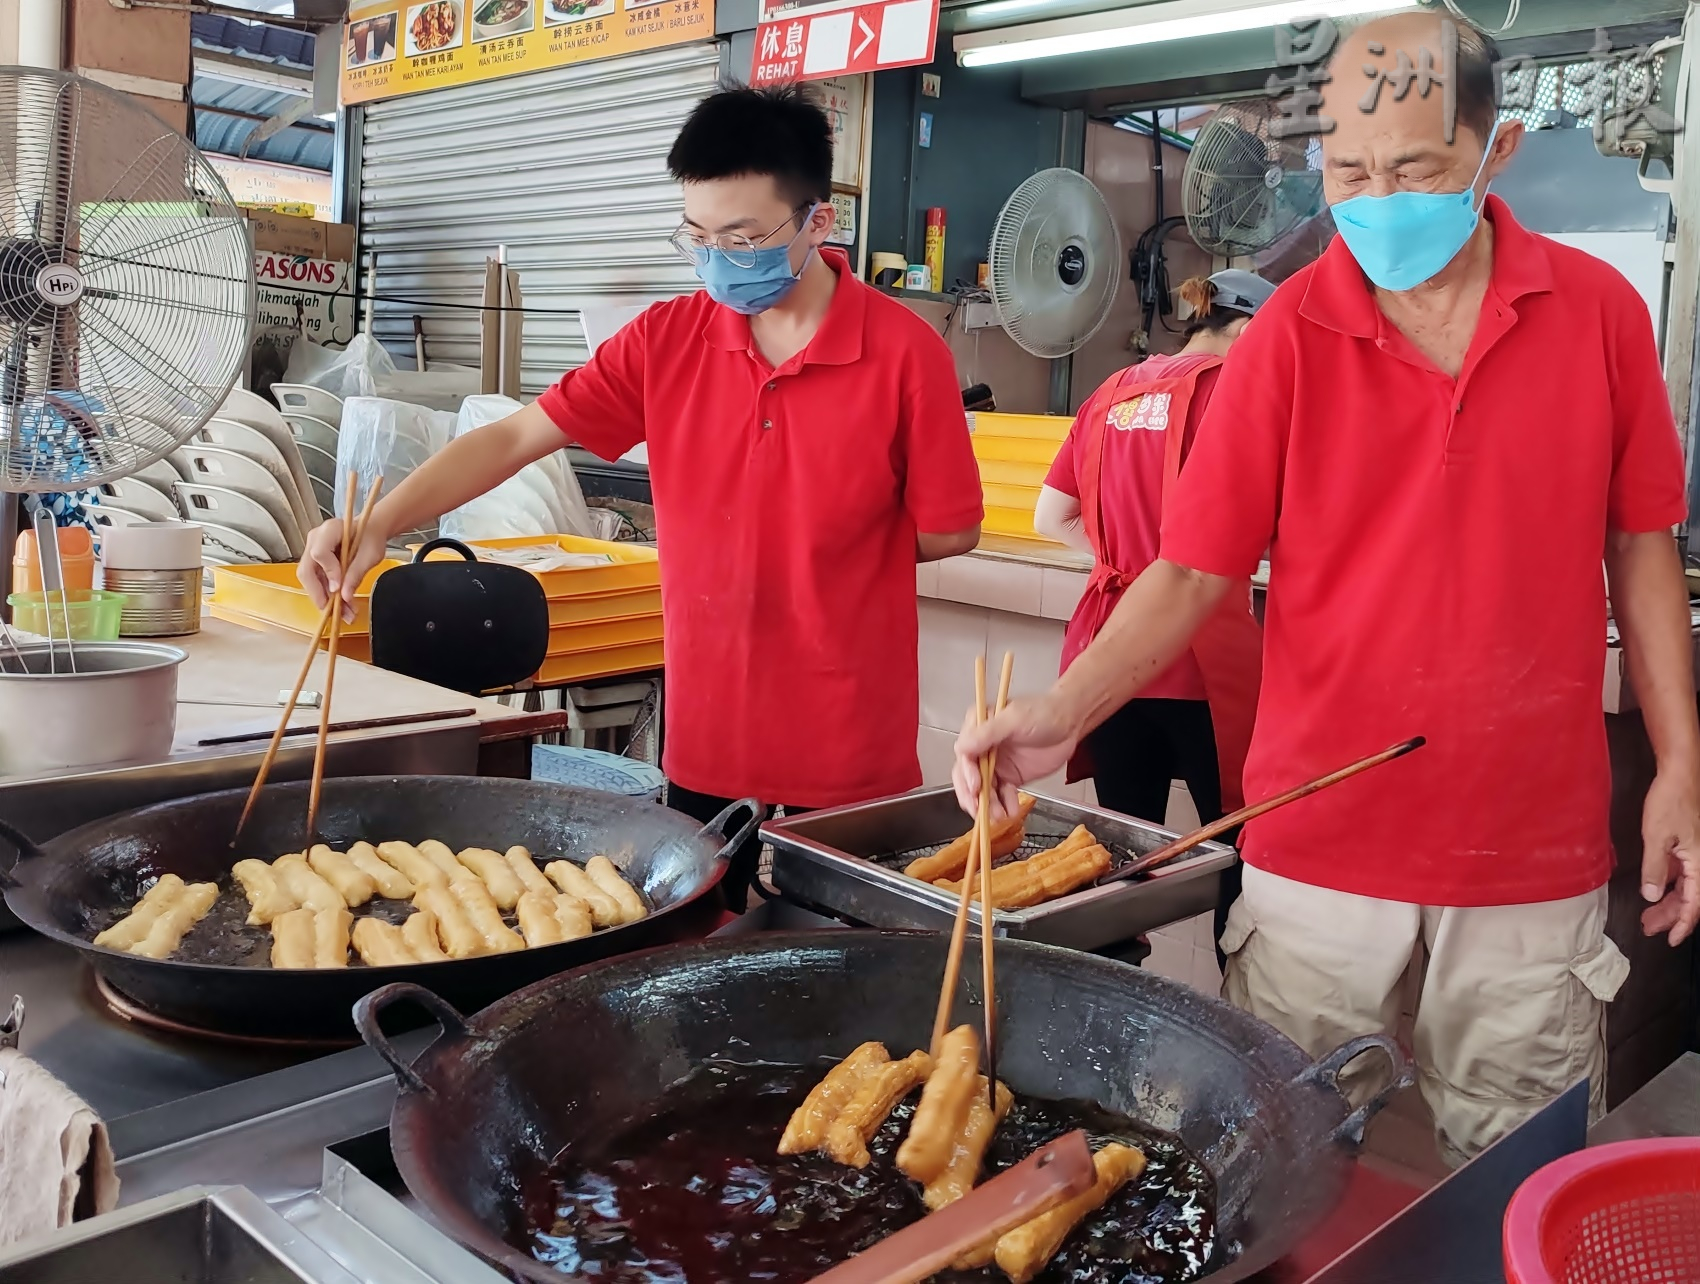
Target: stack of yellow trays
{"type": "Point", "coordinates": [1015, 453]}
{"type": "Point", "coordinates": [603, 620]}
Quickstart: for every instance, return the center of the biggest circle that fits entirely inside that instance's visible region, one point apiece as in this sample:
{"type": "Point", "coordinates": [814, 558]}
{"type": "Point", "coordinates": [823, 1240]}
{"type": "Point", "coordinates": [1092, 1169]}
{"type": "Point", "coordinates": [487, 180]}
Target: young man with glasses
{"type": "Point", "coordinates": [807, 446]}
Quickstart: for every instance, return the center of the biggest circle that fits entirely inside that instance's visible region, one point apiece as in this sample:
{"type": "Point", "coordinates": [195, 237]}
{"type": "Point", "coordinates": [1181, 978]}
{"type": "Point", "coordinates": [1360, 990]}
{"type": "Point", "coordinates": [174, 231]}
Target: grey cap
{"type": "Point", "coordinates": [1240, 291]}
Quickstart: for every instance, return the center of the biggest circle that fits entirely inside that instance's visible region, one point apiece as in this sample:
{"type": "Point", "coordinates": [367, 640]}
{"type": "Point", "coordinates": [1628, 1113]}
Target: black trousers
{"type": "Point", "coordinates": [742, 874]}
{"type": "Point", "coordinates": [1140, 749]}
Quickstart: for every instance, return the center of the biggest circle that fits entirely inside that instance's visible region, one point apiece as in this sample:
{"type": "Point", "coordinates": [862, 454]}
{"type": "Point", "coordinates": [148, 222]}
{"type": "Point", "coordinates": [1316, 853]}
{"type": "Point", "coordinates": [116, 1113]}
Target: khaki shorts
{"type": "Point", "coordinates": [1512, 1005]}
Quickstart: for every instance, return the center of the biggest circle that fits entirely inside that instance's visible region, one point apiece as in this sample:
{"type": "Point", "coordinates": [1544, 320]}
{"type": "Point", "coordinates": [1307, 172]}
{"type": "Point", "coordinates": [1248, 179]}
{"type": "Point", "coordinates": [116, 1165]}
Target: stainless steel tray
{"type": "Point", "coordinates": [850, 860]}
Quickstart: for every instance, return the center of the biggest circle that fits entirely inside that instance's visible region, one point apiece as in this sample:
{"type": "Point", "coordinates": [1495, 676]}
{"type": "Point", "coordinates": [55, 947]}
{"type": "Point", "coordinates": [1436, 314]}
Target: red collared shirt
{"type": "Point", "coordinates": [786, 505]}
{"type": "Point", "coordinates": [1436, 568]}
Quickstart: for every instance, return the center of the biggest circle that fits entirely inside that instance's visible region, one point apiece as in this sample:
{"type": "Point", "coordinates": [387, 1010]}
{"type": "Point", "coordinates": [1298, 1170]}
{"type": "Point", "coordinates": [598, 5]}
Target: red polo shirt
{"type": "Point", "coordinates": [1436, 568]}
{"type": "Point", "coordinates": [786, 506]}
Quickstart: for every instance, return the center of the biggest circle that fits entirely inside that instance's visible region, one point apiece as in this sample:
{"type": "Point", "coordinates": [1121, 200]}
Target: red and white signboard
{"type": "Point", "coordinates": [842, 37]}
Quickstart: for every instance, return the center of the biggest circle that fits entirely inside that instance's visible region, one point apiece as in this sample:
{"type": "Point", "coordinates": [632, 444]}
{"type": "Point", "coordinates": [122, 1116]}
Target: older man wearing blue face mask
{"type": "Point", "coordinates": [1400, 413]}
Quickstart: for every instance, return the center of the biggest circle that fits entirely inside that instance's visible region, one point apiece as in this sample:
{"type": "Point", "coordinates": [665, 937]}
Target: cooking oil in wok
{"type": "Point", "coordinates": [695, 1194]}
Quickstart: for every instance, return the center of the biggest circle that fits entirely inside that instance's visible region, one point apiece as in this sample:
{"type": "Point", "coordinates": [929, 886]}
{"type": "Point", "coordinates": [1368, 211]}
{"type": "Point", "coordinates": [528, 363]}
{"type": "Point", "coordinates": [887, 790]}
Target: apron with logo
{"type": "Point", "coordinates": [1229, 646]}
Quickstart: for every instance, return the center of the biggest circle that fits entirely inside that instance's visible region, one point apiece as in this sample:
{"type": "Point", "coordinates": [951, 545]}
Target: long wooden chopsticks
{"type": "Point", "coordinates": [977, 871]}
{"type": "Point", "coordinates": [1186, 842]}
{"type": "Point", "coordinates": [332, 612]}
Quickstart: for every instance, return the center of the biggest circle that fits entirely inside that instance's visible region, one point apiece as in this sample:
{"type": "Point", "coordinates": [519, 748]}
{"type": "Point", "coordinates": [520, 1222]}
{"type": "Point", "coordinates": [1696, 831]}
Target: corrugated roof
{"type": "Point", "coordinates": [227, 111]}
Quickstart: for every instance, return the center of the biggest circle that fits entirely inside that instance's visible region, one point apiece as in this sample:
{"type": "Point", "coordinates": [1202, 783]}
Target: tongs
{"type": "Point", "coordinates": [1047, 1177]}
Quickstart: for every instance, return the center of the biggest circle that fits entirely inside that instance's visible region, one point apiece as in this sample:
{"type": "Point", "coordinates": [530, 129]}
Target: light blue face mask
{"type": "Point", "coordinates": [1402, 239]}
{"type": "Point", "coordinates": [753, 288]}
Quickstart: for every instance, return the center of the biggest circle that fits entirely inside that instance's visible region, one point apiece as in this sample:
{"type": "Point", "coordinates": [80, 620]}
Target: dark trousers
{"type": "Point", "coordinates": [1140, 749]}
{"type": "Point", "coordinates": [742, 874]}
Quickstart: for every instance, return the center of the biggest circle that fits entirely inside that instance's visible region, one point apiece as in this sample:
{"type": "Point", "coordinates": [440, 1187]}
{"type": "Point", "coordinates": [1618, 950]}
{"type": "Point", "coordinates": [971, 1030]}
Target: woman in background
{"type": "Point", "coordinates": [1104, 495]}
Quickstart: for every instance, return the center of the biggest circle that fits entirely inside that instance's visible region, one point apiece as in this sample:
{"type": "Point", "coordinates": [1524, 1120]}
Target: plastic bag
{"type": "Point", "coordinates": [387, 438]}
{"type": "Point", "coordinates": [315, 364]}
{"type": "Point", "coordinates": [365, 368]}
{"type": "Point", "coordinates": [541, 499]}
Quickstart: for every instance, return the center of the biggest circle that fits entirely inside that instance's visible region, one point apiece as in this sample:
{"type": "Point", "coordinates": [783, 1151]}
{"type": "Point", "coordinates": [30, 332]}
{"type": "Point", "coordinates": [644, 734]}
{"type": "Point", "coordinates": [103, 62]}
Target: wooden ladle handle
{"type": "Point", "coordinates": [1204, 833]}
{"type": "Point", "coordinates": [1046, 1178]}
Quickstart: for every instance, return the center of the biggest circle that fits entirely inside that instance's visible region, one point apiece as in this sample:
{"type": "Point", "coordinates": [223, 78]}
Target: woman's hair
{"type": "Point", "coordinates": [1199, 293]}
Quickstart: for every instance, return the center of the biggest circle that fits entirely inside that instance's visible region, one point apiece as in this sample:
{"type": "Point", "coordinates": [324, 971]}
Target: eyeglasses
{"type": "Point", "coordinates": [739, 250]}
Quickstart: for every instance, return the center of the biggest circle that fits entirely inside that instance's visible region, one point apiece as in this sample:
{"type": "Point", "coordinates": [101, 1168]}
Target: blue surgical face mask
{"type": "Point", "coordinates": [1402, 239]}
{"type": "Point", "coordinates": [755, 288]}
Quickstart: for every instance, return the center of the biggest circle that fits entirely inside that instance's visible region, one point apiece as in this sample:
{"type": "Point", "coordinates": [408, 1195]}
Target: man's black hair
{"type": "Point", "coordinates": [781, 132]}
{"type": "Point", "coordinates": [1478, 88]}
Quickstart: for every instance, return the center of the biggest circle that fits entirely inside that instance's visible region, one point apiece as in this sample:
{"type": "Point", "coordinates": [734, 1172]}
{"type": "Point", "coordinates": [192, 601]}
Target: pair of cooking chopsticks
{"type": "Point", "coordinates": [978, 869]}
{"type": "Point", "coordinates": [353, 532]}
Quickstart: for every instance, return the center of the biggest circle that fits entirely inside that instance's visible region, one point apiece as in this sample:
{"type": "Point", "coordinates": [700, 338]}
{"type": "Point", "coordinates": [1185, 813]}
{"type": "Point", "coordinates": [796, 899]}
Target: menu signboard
{"type": "Point", "coordinates": [391, 48]}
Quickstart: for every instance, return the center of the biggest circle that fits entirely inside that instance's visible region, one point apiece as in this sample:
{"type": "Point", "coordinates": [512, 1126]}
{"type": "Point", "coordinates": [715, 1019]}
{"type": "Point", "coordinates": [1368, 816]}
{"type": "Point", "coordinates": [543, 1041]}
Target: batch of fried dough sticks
{"type": "Point", "coordinates": [1076, 861]}
{"type": "Point", "coordinates": [458, 899]}
{"type": "Point", "coordinates": [947, 1140]}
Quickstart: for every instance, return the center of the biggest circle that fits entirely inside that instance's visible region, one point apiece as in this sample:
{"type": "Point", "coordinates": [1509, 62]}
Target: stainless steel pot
{"type": "Point", "coordinates": [119, 706]}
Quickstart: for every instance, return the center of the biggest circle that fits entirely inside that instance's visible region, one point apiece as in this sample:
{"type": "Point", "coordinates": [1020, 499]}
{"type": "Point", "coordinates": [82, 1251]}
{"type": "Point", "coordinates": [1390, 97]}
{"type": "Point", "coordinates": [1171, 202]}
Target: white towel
{"type": "Point", "coordinates": [55, 1157]}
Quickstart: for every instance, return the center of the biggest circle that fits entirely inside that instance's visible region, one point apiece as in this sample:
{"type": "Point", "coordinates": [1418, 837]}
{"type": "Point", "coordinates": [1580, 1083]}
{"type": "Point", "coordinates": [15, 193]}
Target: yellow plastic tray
{"type": "Point", "coordinates": [273, 595]}
{"type": "Point", "coordinates": [1025, 498]}
{"type": "Point", "coordinates": [634, 567]}
{"type": "Point", "coordinates": [1004, 472]}
{"type": "Point", "coordinates": [600, 664]}
{"type": "Point", "coordinates": [1012, 521]}
{"type": "Point", "coordinates": [1017, 450]}
{"type": "Point", "coordinates": [578, 639]}
{"type": "Point", "coordinates": [1051, 428]}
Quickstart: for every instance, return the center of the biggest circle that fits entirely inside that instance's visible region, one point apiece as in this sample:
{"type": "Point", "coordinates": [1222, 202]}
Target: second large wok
{"type": "Point", "coordinates": [486, 1110]}
{"type": "Point", "coordinates": [77, 884]}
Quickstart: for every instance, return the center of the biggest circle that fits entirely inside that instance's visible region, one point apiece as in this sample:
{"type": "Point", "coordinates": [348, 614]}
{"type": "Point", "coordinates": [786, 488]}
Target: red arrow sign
{"type": "Point", "coordinates": [836, 39]}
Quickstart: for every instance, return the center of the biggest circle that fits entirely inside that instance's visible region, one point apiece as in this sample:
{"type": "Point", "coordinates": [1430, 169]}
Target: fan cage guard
{"type": "Point", "coordinates": [1243, 188]}
{"type": "Point", "coordinates": [1056, 213]}
{"type": "Point", "coordinates": [126, 285]}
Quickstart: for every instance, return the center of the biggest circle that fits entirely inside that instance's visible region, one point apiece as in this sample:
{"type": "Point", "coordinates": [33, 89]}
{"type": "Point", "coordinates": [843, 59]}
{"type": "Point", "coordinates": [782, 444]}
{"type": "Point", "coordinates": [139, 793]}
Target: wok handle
{"type": "Point", "coordinates": [1327, 1072]}
{"type": "Point", "coordinates": [717, 826]}
{"type": "Point", "coordinates": [370, 1007]}
{"type": "Point", "coordinates": [22, 849]}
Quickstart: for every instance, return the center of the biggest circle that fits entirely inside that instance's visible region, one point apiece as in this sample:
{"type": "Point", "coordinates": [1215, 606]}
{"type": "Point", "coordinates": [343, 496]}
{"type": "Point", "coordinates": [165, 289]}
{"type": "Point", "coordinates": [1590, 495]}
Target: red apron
{"type": "Point", "coordinates": [1229, 647]}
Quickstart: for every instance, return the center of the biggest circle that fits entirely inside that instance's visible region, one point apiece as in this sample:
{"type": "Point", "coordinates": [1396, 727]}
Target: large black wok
{"type": "Point", "coordinates": [79, 883]}
{"type": "Point", "coordinates": [484, 1111]}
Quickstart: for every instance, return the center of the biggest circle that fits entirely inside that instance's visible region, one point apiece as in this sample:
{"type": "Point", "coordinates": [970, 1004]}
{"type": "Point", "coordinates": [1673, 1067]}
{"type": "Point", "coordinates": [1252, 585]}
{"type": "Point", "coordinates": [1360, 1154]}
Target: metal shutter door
{"type": "Point", "coordinates": [566, 168]}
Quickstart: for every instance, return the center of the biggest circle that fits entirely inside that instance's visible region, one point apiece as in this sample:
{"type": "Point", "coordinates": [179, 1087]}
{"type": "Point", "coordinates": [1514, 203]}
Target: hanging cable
{"type": "Point", "coordinates": [1512, 9]}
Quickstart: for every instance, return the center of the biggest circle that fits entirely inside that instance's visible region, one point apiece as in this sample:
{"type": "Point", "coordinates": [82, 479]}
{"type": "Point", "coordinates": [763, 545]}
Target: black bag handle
{"type": "Point", "coordinates": [445, 542]}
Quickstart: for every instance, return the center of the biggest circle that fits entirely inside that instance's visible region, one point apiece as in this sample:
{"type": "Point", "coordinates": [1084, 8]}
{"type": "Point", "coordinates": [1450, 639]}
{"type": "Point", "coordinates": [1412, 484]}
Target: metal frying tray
{"type": "Point", "coordinates": [850, 860]}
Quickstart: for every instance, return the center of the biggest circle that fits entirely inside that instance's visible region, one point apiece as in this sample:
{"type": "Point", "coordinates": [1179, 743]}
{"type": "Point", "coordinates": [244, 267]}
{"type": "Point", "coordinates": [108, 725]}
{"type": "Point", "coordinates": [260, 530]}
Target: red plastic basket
{"type": "Point", "coordinates": [1627, 1213]}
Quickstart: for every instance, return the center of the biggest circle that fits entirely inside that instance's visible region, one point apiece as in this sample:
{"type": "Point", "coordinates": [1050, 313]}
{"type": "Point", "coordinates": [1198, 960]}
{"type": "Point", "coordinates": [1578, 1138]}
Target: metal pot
{"type": "Point", "coordinates": [487, 1110]}
{"type": "Point", "coordinates": [120, 705]}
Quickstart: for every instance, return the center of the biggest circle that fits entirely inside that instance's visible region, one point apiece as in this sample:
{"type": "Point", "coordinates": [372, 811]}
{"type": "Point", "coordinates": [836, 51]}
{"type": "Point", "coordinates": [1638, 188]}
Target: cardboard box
{"type": "Point", "coordinates": [284, 234]}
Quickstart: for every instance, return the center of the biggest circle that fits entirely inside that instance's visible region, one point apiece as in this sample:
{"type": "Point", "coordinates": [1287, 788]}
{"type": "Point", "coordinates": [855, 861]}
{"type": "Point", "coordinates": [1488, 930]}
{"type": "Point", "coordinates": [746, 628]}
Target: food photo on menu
{"type": "Point", "coordinates": [556, 12]}
{"type": "Point", "coordinates": [371, 40]}
{"type": "Point", "coordinates": [434, 27]}
{"type": "Point", "coordinates": [492, 19]}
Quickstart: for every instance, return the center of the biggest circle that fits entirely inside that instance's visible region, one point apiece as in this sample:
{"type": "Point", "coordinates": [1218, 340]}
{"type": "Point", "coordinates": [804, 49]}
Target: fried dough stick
{"type": "Point", "coordinates": [133, 927]}
{"type": "Point", "coordinates": [407, 859]}
{"type": "Point", "coordinates": [604, 909]}
{"type": "Point", "coordinates": [330, 937]}
{"type": "Point", "coordinates": [942, 1115]}
{"type": "Point", "coordinates": [606, 875]}
{"type": "Point", "coordinates": [963, 1171]}
{"type": "Point", "coordinates": [480, 910]}
{"type": "Point", "coordinates": [354, 886]}
{"type": "Point", "coordinates": [440, 856]}
{"type": "Point", "coordinates": [1056, 878]}
{"type": "Point", "coordinates": [267, 896]}
{"type": "Point", "coordinates": [293, 939]}
{"type": "Point", "coordinates": [574, 916]}
{"type": "Point", "coordinates": [951, 860]}
{"type": "Point", "coordinates": [809, 1121]}
{"type": "Point", "coordinates": [381, 944]}
{"type": "Point", "coordinates": [530, 877]}
{"type": "Point", "coordinates": [305, 884]}
{"type": "Point", "coordinates": [420, 933]}
{"type": "Point", "coordinates": [166, 933]}
{"type": "Point", "coordinates": [1008, 875]}
{"type": "Point", "coordinates": [495, 873]}
{"type": "Point", "coordinates": [1023, 1252]}
{"type": "Point", "coordinates": [460, 939]}
{"type": "Point", "coordinates": [538, 921]}
{"type": "Point", "coordinates": [876, 1096]}
{"type": "Point", "coordinates": [392, 883]}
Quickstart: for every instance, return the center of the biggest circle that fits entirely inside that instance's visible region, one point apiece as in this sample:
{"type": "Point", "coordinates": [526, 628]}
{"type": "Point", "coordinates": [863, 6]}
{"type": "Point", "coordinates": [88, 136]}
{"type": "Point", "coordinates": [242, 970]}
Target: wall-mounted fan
{"type": "Point", "coordinates": [1244, 189]}
{"type": "Point", "coordinates": [1055, 262]}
